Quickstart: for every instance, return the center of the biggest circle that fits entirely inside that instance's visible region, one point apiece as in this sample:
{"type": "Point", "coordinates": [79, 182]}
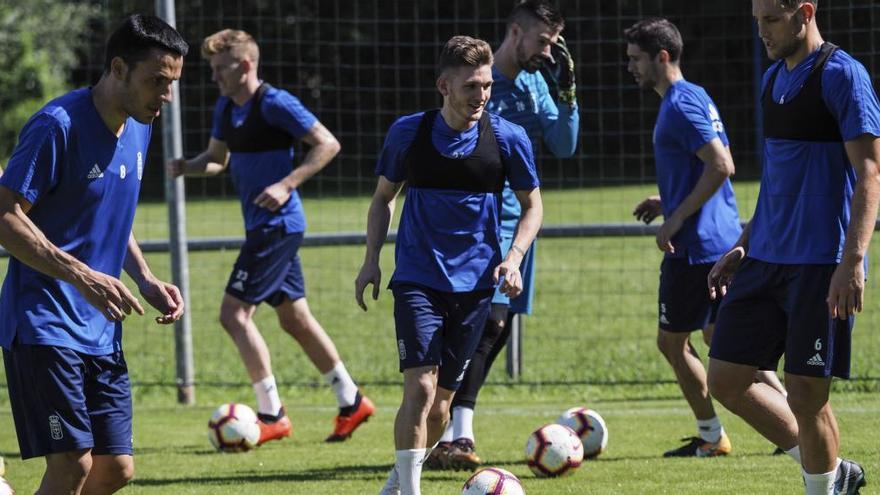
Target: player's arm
{"type": "Point", "coordinates": [378, 221]}
{"type": "Point", "coordinates": [560, 119]}
{"type": "Point", "coordinates": [846, 291]}
{"type": "Point", "coordinates": [212, 161]}
{"type": "Point", "coordinates": [718, 167]}
{"type": "Point", "coordinates": [507, 273]}
{"type": "Point", "coordinates": [324, 147]}
{"type": "Point", "coordinates": [27, 243]}
{"type": "Point", "coordinates": [161, 295]}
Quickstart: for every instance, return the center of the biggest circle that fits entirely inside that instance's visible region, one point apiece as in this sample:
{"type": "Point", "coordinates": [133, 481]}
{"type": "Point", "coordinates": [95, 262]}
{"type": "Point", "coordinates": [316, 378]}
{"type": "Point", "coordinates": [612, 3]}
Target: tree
{"type": "Point", "coordinates": [39, 45]}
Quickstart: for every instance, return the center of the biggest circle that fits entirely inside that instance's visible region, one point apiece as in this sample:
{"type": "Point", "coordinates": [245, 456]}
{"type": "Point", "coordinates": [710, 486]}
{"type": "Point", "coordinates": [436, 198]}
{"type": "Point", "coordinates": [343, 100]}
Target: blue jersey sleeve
{"type": "Point", "coordinates": [36, 163]}
{"type": "Point", "coordinates": [559, 124]}
{"type": "Point", "coordinates": [850, 96]}
{"type": "Point", "coordinates": [516, 148]}
{"type": "Point", "coordinates": [698, 121]}
{"type": "Point", "coordinates": [391, 163]}
{"type": "Point", "coordinates": [217, 119]}
{"type": "Point", "coordinates": [285, 111]}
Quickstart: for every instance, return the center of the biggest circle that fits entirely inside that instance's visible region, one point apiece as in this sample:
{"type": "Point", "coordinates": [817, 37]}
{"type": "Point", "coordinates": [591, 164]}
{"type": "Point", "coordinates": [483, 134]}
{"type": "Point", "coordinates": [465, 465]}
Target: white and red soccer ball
{"type": "Point", "coordinates": [233, 428]}
{"type": "Point", "coordinates": [554, 450]}
{"type": "Point", "coordinates": [492, 481]}
{"type": "Point", "coordinates": [589, 426]}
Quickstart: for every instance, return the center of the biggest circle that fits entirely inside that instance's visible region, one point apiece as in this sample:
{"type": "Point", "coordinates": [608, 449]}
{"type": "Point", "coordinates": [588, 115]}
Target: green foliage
{"type": "Point", "coordinates": [39, 40]}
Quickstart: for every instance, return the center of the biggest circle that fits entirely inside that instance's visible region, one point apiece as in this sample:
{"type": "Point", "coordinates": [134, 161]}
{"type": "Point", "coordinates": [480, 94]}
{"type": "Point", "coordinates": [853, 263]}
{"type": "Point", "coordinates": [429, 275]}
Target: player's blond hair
{"type": "Point", "coordinates": [238, 43]}
{"type": "Point", "coordinates": [464, 51]}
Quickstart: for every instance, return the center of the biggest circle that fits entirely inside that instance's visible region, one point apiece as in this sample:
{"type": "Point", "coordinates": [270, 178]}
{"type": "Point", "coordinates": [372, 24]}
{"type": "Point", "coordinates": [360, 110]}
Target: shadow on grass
{"type": "Point", "coordinates": [375, 472]}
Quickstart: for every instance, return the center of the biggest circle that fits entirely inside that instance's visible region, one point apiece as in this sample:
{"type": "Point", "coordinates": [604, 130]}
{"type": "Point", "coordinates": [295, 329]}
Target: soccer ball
{"type": "Point", "coordinates": [492, 481]}
{"type": "Point", "coordinates": [554, 450]}
{"type": "Point", "coordinates": [590, 426]}
{"type": "Point", "coordinates": [233, 428]}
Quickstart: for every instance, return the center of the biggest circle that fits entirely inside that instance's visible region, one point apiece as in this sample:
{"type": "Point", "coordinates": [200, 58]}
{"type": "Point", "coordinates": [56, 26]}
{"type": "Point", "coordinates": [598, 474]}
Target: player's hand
{"type": "Point", "coordinates": [560, 67]}
{"type": "Point", "coordinates": [511, 281]}
{"type": "Point", "coordinates": [667, 231]}
{"type": "Point", "coordinates": [109, 295]}
{"type": "Point", "coordinates": [175, 167]}
{"type": "Point", "coordinates": [846, 290]}
{"type": "Point", "coordinates": [722, 272]}
{"type": "Point", "coordinates": [649, 209]}
{"type": "Point", "coordinates": [165, 297]}
{"type": "Point", "coordinates": [370, 274]}
{"type": "Point", "coordinates": [273, 197]}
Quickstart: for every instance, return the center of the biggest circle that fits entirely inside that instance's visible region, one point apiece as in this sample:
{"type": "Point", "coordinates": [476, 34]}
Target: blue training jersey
{"type": "Point", "coordinates": [252, 172]}
{"type": "Point", "coordinates": [526, 101]}
{"type": "Point", "coordinates": [448, 240]}
{"type": "Point", "coordinates": [83, 184]}
{"type": "Point", "coordinates": [803, 207]}
{"type": "Point", "coordinates": [687, 121]}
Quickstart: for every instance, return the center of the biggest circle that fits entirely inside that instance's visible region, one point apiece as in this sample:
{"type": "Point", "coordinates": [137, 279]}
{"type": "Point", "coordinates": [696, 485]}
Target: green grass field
{"type": "Point", "coordinates": [590, 342]}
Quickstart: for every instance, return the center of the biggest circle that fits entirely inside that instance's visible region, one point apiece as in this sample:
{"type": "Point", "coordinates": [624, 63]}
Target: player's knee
{"type": "Point", "coordinates": [420, 391]}
{"type": "Point", "coordinates": [119, 475]}
{"type": "Point", "coordinates": [71, 468]}
{"type": "Point", "coordinates": [805, 404]}
{"type": "Point", "coordinates": [723, 390]}
{"type": "Point", "coordinates": [232, 320]}
{"type": "Point", "coordinates": [671, 346]}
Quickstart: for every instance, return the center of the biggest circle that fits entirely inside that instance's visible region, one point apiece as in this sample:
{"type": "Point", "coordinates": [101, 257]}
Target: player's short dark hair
{"type": "Point", "coordinates": [464, 51]}
{"type": "Point", "coordinates": [793, 4]}
{"type": "Point", "coordinates": [528, 12]}
{"type": "Point", "coordinates": [137, 35]}
{"type": "Point", "coordinates": [655, 34]}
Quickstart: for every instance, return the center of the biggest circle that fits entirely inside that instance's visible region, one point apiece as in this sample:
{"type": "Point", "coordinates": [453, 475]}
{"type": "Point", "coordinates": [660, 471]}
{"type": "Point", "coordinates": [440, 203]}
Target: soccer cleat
{"type": "Point", "coordinates": [348, 421]}
{"type": "Point", "coordinates": [779, 451]}
{"type": "Point", "coordinates": [273, 428]}
{"type": "Point", "coordinates": [850, 478]}
{"type": "Point", "coordinates": [462, 455]}
{"type": "Point", "coordinates": [438, 459]}
{"type": "Point", "coordinates": [697, 447]}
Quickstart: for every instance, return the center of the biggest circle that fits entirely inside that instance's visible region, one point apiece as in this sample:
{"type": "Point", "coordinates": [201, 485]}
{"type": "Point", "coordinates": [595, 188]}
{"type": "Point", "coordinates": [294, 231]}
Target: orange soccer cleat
{"type": "Point", "coordinates": [348, 421]}
{"type": "Point", "coordinates": [274, 428]}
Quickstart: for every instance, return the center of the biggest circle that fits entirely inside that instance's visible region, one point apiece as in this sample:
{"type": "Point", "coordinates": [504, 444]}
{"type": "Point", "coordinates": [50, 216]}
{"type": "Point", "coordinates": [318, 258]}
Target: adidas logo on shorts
{"type": "Point", "coordinates": [816, 360]}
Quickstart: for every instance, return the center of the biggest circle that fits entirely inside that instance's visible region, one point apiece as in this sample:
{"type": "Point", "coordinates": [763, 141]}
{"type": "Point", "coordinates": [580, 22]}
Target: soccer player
{"type": "Point", "coordinates": [455, 161]}
{"type": "Point", "coordinates": [521, 95]}
{"type": "Point", "coordinates": [67, 203]}
{"type": "Point", "coordinates": [701, 222]}
{"type": "Point", "coordinates": [798, 270]}
{"type": "Point", "coordinates": [254, 129]}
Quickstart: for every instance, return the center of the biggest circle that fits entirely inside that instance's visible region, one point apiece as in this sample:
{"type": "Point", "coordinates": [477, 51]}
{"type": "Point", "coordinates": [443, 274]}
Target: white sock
{"type": "Point", "coordinates": [447, 433]}
{"type": "Point", "coordinates": [795, 453]}
{"type": "Point", "coordinates": [710, 430]}
{"type": "Point", "coordinates": [392, 484]}
{"type": "Point", "coordinates": [820, 484]}
{"type": "Point", "coordinates": [268, 400]}
{"type": "Point", "coordinates": [409, 470]}
{"type": "Point", "coordinates": [463, 423]}
{"type": "Point", "coordinates": [343, 386]}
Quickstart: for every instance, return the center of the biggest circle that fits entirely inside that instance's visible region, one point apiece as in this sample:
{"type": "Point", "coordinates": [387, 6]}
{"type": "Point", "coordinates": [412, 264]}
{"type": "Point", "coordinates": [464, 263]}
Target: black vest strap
{"type": "Point", "coordinates": [254, 134]}
{"type": "Point", "coordinates": [482, 171]}
{"type": "Point", "coordinates": [803, 117]}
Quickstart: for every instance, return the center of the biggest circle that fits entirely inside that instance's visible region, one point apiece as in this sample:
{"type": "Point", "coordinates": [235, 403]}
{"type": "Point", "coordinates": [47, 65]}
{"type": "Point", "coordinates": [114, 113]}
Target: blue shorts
{"type": "Point", "coordinates": [772, 310]}
{"type": "Point", "coordinates": [522, 304]}
{"type": "Point", "coordinates": [436, 328]}
{"type": "Point", "coordinates": [683, 299]}
{"type": "Point", "coordinates": [268, 267]}
{"type": "Point", "coordinates": [63, 400]}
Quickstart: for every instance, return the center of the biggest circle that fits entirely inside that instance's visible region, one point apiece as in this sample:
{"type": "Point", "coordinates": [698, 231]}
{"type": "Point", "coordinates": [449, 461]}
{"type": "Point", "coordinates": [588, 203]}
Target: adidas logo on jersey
{"type": "Point", "coordinates": [95, 173]}
{"type": "Point", "coordinates": [816, 360]}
